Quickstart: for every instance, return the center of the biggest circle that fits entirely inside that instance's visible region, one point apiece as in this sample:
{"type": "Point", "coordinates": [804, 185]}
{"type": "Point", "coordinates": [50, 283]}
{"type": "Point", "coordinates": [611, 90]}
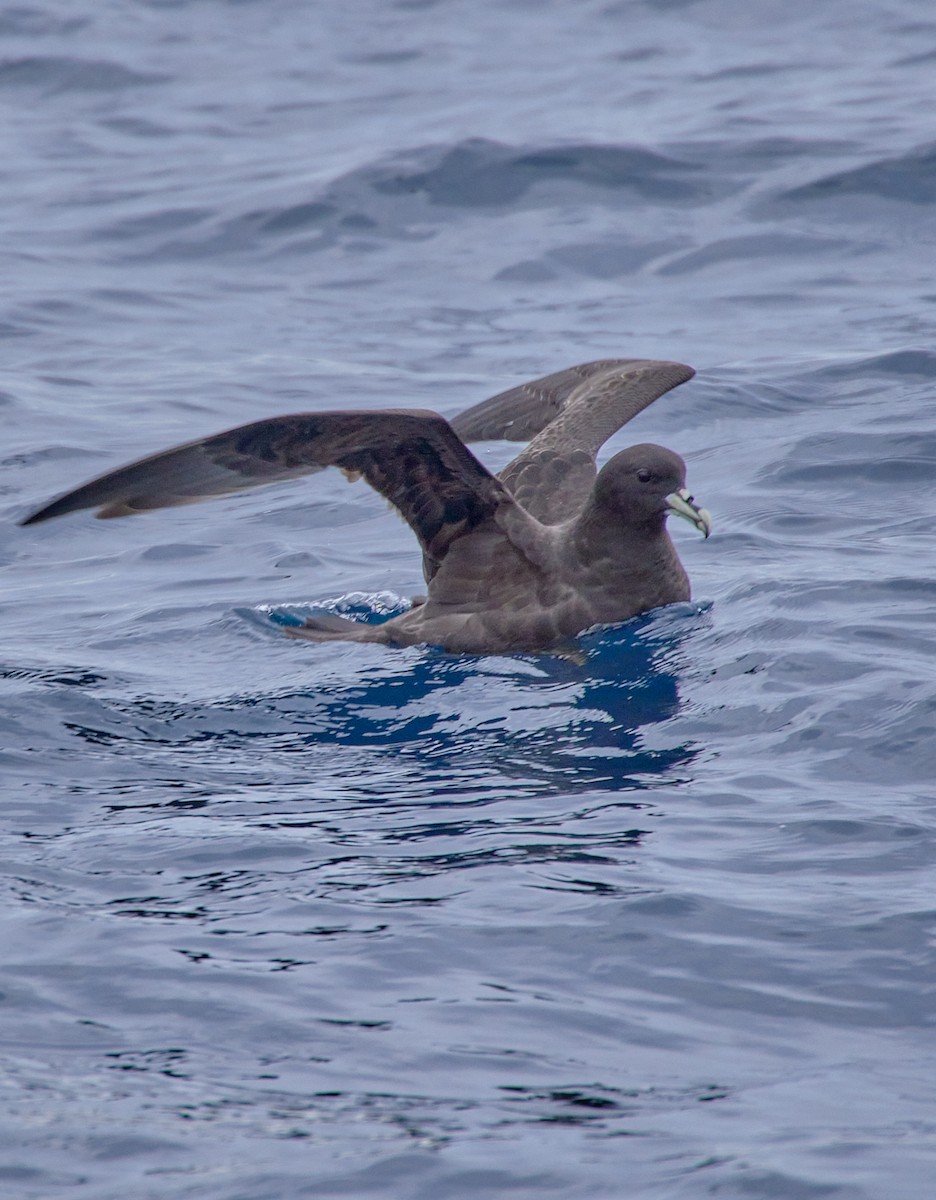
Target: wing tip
{"type": "Point", "coordinates": [46, 513]}
{"type": "Point", "coordinates": [686, 371]}
{"type": "Point", "coordinates": [658, 365]}
{"type": "Point", "coordinates": [66, 504]}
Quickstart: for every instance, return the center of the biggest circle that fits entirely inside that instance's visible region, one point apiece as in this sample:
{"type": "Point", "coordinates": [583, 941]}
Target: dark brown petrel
{"type": "Point", "coordinates": [522, 561]}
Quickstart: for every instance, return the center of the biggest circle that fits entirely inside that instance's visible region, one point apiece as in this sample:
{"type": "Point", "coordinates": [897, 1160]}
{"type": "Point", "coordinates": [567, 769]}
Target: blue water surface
{"type": "Point", "coordinates": [286, 920]}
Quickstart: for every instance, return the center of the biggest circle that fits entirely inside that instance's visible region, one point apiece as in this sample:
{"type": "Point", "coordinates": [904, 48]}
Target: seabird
{"type": "Point", "coordinates": [521, 561]}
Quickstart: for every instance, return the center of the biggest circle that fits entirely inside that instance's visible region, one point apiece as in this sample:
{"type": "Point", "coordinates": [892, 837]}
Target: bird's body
{"type": "Point", "coordinates": [533, 589]}
{"type": "Point", "coordinates": [523, 561]}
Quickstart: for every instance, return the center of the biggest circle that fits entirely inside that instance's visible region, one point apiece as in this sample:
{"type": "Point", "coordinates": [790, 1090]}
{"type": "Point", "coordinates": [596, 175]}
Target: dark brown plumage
{"type": "Point", "coordinates": [523, 561]}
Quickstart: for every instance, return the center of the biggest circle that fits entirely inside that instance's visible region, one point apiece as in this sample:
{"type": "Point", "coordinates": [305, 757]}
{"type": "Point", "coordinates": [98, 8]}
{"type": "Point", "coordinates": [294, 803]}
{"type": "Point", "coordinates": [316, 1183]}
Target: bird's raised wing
{"type": "Point", "coordinates": [569, 416]}
{"type": "Point", "coordinates": [412, 457]}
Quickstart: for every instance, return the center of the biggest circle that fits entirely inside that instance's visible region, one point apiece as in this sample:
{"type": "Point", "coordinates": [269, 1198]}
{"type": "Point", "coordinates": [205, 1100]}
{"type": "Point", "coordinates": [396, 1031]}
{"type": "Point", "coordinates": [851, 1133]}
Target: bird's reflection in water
{"type": "Point", "coordinates": [419, 724]}
{"type": "Point", "coordinates": [579, 718]}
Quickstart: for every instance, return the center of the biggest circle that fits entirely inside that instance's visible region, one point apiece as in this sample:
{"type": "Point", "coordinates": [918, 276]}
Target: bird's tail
{"type": "Point", "coordinates": [327, 627]}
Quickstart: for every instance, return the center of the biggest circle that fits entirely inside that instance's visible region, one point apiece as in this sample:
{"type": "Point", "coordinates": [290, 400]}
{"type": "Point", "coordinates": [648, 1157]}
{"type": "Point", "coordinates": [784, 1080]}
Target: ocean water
{"type": "Point", "coordinates": [284, 920]}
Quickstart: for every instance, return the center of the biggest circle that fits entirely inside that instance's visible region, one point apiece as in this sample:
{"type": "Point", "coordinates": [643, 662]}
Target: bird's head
{"type": "Point", "coordinates": [644, 484]}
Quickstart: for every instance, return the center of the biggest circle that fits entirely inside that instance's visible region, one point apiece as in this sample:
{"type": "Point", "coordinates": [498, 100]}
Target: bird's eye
{"type": "Point", "coordinates": [644, 475]}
